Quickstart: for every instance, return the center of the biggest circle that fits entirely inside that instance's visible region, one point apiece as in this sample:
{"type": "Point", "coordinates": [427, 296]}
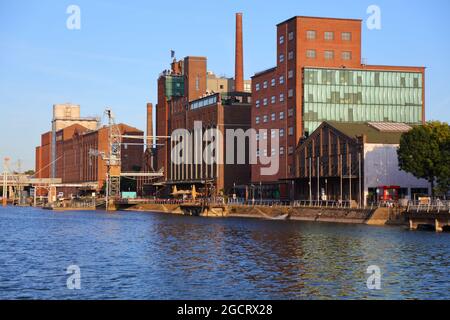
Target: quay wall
{"type": "Point", "coordinates": [377, 217]}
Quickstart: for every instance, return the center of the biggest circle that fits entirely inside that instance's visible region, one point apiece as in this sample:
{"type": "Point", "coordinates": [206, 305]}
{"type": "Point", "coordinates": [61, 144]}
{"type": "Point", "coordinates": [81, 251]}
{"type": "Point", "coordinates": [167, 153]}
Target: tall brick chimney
{"type": "Point", "coordinates": [239, 63]}
{"type": "Point", "coordinates": [149, 125]}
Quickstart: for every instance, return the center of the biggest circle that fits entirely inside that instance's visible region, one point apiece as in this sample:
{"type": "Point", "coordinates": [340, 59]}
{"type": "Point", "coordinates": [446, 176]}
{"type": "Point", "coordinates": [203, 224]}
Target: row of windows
{"type": "Point", "coordinates": [312, 35]}
{"type": "Point", "coordinates": [273, 117]}
{"type": "Point", "coordinates": [328, 54]}
{"type": "Point", "coordinates": [273, 153]}
{"type": "Point", "coordinates": [273, 82]}
{"type": "Point", "coordinates": [273, 99]}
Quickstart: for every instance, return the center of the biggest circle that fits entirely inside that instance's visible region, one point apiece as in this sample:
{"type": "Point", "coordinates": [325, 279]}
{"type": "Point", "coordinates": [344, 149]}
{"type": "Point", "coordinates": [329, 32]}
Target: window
{"type": "Point", "coordinates": [329, 55]}
{"type": "Point", "coordinates": [273, 117]}
{"type": "Point", "coordinates": [311, 54]}
{"type": "Point", "coordinates": [273, 82]}
{"type": "Point", "coordinates": [257, 87]}
{"type": "Point", "coordinates": [346, 55]}
{"type": "Point", "coordinates": [281, 132]}
{"type": "Point", "coordinates": [281, 57]}
{"type": "Point", "coordinates": [281, 79]}
{"type": "Point", "coordinates": [197, 83]}
{"type": "Point", "coordinates": [257, 120]}
{"type": "Point", "coordinates": [291, 55]}
{"type": "Point", "coordinates": [311, 35]}
{"type": "Point", "coordinates": [265, 135]}
{"type": "Point", "coordinates": [281, 97]}
{"type": "Point", "coordinates": [291, 131]}
{"type": "Point", "coordinates": [281, 115]}
{"type": "Point", "coordinates": [265, 152]}
{"type": "Point", "coordinates": [291, 112]}
{"type": "Point", "coordinates": [273, 134]}
{"type": "Point", "coordinates": [265, 84]}
{"type": "Point", "coordinates": [291, 36]}
{"type": "Point", "coordinates": [281, 151]}
{"type": "Point", "coordinates": [346, 36]}
{"type": "Point", "coordinates": [273, 100]}
{"type": "Point", "coordinates": [281, 39]}
{"type": "Point", "coordinates": [257, 103]}
{"type": "Point", "coordinates": [291, 150]}
{"type": "Point", "coordinates": [291, 93]}
{"type": "Point", "coordinates": [265, 101]}
{"type": "Point", "coordinates": [257, 137]}
{"type": "Point", "coordinates": [257, 153]}
{"type": "Point", "coordinates": [329, 35]}
{"type": "Point", "coordinates": [290, 74]}
{"type": "Point", "coordinates": [272, 152]}
{"type": "Point", "coordinates": [265, 119]}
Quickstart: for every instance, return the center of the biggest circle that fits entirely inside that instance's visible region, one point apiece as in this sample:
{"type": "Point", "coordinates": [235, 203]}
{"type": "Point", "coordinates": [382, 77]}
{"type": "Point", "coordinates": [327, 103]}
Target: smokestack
{"type": "Point", "coordinates": [239, 63]}
{"type": "Point", "coordinates": [149, 125]}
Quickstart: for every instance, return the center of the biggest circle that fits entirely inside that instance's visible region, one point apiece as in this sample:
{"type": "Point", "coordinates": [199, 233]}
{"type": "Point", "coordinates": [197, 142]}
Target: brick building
{"type": "Point", "coordinates": [319, 76]}
{"type": "Point", "coordinates": [188, 93]}
{"type": "Point", "coordinates": [79, 170]}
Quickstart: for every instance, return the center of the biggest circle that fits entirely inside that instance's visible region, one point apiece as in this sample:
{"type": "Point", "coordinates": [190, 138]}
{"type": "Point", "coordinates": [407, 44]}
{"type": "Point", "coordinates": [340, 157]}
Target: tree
{"type": "Point", "coordinates": [424, 152]}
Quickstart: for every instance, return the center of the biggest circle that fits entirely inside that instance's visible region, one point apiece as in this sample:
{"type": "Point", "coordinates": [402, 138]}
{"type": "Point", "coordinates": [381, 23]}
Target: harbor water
{"type": "Point", "coordinates": [128, 255]}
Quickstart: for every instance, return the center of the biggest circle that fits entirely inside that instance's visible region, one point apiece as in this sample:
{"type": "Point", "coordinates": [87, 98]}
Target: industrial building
{"type": "Point", "coordinates": [354, 162]}
{"type": "Point", "coordinates": [188, 93]}
{"type": "Point", "coordinates": [320, 76]}
{"type": "Point", "coordinates": [73, 151]}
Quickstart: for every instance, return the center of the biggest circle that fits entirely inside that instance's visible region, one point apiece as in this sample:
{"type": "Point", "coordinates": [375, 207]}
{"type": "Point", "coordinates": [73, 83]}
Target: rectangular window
{"type": "Point", "coordinates": [291, 112]}
{"type": "Point", "coordinates": [281, 57]}
{"type": "Point", "coordinates": [291, 150]}
{"type": "Point", "coordinates": [273, 134]}
{"type": "Point", "coordinates": [265, 84]}
{"type": "Point", "coordinates": [281, 39]}
{"type": "Point", "coordinates": [281, 115]}
{"type": "Point", "coordinates": [291, 55]}
{"type": "Point", "coordinates": [257, 87]}
{"type": "Point", "coordinates": [265, 101]}
{"type": "Point", "coordinates": [281, 132]}
{"type": "Point", "coordinates": [311, 53]}
{"type": "Point", "coordinates": [346, 36]}
{"type": "Point", "coordinates": [329, 35]}
{"type": "Point", "coordinates": [281, 151]}
{"type": "Point", "coordinates": [329, 55]}
{"type": "Point", "coordinates": [291, 93]}
{"type": "Point", "coordinates": [273, 100]}
{"type": "Point", "coordinates": [311, 35]}
{"type": "Point", "coordinates": [257, 120]}
{"type": "Point", "coordinates": [273, 82]}
{"type": "Point", "coordinates": [291, 131]}
{"type": "Point", "coordinates": [265, 135]}
{"type": "Point", "coordinates": [282, 80]}
{"type": "Point", "coordinates": [346, 55]}
{"type": "Point", "coordinates": [290, 74]}
{"type": "Point", "coordinates": [257, 103]}
{"type": "Point", "coordinates": [291, 36]}
{"type": "Point", "coordinates": [281, 97]}
{"type": "Point", "coordinates": [265, 119]}
{"type": "Point", "coordinates": [273, 117]}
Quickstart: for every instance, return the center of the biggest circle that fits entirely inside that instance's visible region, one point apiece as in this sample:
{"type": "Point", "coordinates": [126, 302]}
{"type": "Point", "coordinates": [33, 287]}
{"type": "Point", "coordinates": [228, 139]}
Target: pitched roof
{"type": "Point", "coordinates": [382, 133]}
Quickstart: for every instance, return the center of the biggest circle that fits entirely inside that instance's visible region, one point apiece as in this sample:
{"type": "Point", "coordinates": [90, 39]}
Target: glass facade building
{"type": "Point", "coordinates": [361, 96]}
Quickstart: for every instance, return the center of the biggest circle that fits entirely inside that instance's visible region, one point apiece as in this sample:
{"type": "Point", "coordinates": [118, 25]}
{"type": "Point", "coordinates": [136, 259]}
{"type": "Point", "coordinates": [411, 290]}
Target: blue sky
{"type": "Point", "coordinates": [115, 59]}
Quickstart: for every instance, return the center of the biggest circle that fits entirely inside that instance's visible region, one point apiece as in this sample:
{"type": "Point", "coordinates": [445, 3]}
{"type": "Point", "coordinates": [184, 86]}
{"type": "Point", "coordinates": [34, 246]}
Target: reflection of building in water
{"type": "Point", "coordinates": [353, 161]}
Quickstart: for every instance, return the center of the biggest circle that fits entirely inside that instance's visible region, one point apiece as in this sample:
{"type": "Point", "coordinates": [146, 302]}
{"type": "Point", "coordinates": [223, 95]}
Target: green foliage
{"type": "Point", "coordinates": [425, 152]}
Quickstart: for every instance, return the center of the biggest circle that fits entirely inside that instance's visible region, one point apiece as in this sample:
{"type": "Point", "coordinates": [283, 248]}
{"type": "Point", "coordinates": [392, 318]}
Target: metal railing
{"type": "Point", "coordinates": [437, 206]}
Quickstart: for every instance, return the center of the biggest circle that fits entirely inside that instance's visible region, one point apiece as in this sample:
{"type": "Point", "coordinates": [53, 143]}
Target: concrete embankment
{"type": "Point", "coordinates": [379, 216]}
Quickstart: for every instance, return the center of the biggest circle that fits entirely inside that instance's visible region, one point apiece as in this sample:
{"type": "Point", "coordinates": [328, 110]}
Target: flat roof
{"type": "Point", "coordinates": [264, 71]}
{"type": "Point", "coordinates": [371, 68]}
{"type": "Point", "coordinates": [323, 18]}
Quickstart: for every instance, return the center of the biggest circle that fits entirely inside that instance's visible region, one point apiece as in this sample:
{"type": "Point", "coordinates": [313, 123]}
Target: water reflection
{"type": "Point", "coordinates": [157, 256]}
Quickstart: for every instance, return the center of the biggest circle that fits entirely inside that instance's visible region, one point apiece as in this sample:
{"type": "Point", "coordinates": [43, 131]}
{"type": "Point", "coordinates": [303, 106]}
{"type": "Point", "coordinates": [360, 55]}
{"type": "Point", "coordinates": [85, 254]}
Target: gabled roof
{"type": "Point", "coordinates": [372, 131]}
